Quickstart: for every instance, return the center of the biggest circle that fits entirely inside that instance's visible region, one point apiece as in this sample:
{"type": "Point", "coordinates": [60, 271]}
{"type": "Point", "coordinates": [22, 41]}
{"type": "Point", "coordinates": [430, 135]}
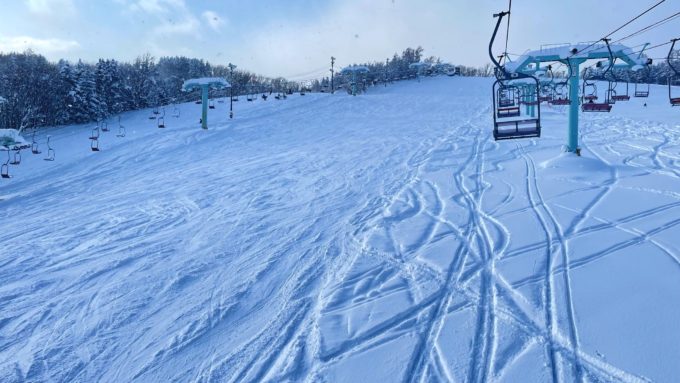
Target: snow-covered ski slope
{"type": "Point", "coordinates": [378, 238]}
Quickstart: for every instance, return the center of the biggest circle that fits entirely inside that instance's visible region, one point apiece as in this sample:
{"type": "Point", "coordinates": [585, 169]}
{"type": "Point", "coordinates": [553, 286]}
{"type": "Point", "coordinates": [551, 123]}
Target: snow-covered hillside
{"type": "Point", "coordinates": [378, 238]}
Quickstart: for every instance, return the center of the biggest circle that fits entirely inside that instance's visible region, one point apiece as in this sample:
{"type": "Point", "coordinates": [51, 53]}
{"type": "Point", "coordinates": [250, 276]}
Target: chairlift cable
{"type": "Point", "coordinates": [650, 27]}
{"type": "Point", "coordinates": [621, 27]}
{"type": "Point", "coordinates": [507, 31]}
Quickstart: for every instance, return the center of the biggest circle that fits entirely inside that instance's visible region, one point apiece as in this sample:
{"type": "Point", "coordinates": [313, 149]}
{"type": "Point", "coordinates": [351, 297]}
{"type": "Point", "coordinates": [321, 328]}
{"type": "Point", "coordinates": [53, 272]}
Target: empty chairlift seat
{"type": "Point", "coordinates": [596, 107]}
{"type": "Point", "coordinates": [509, 121]}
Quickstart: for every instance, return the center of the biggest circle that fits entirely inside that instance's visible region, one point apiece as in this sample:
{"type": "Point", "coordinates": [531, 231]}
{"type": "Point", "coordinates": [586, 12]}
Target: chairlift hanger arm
{"type": "Point", "coordinates": [668, 58]}
{"type": "Point", "coordinates": [493, 39]}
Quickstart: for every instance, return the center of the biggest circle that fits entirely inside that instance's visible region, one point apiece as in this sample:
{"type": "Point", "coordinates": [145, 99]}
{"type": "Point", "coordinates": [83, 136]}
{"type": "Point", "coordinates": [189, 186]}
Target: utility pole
{"type": "Point", "coordinates": [332, 73]}
{"type": "Point", "coordinates": [231, 90]}
{"type": "Point", "coordinates": [387, 63]}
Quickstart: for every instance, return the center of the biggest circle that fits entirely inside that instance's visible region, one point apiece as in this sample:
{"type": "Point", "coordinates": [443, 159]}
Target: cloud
{"type": "Point", "coordinates": [50, 7]}
{"type": "Point", "coordinates": [352, 31]}
{"type": "Point", "coordinates": [214, 20]}
{"type": "Point", "coordinates": [44, 46]}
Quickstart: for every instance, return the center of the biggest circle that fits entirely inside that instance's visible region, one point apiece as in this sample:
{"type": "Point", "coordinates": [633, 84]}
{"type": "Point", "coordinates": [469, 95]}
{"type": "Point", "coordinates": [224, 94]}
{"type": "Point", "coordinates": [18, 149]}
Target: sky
{"type": "Point", "coordinates": [296, 38]}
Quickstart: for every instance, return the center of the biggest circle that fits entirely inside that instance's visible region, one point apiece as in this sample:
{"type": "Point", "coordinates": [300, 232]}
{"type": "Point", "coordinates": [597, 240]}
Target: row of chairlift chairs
{"type": "Point", "coordinates": [103, 127]}
{"type": "Point", "coordinates": [15, 159]}
{"type": "Point", "coordinates": [513, 91]}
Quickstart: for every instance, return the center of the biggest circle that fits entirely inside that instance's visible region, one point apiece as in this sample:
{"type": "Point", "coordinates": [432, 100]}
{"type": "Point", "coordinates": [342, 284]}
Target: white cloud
{"type": "Point", "coordinates": [214, 20]}
{"type": "Point", "coordinates": [352, 31]}
{"type": "Point", "coordinates": [44, 46]}
{"type": "Point", "coordinates": [50, 7]}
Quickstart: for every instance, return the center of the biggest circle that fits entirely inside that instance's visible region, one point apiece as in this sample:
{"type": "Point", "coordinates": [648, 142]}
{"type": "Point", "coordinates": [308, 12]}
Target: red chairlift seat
{"type": "Point", "coordinates": [590, 97]}
{"type": "Point", "coordinates": [560, 101]}
{"type": "Point", "coordinates": [596, 107]}
{"type": "Point", "coordinates": [620, 97]}
{"type": "Point", "coordinates": [675, 101]}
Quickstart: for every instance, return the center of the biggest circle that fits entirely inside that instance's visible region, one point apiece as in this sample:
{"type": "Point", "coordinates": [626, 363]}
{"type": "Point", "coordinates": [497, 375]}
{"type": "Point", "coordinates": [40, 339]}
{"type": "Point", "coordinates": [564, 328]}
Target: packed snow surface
{"type": "Point", "coordinates": [329, 238]}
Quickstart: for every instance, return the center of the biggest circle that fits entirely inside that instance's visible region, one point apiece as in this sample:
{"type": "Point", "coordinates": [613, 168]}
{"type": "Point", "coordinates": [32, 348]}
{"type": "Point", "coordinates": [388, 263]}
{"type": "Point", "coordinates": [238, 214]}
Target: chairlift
{"type": "Point", "coordinates": [161, 122]}
{"type": "Point", "coordinates": [211, 104]}
{"type": "Point", "coordinates": [156, 111]}
{"type": "Point", "coordinates": [561, 90]}
{"type": "Point", "coordinates": [198, 102]}
{"type": "Point", "coordinates": [641, 90]}
{"type": "Point", "coordinates": [121, 129]}
{"type": "Point", "coordinates": [674, 96]}
{"type": "Point", "coordinates": [175, 111]}
{"type": "Point", "coordinates": [508, 96]}
{"type": "Point", "coordinates": [509, 122]}
{"type": "Point", "coordinates": [17, 157]}
{"type": "Point", "coordinates": [589, 91]}
{"type": "Point", "coordinates": [4, 169]}
{"type": "Point", "coordinates": [591, 105]}
{"type": "Point", "coordinates": [620, 97]}
{"type": "Point", "coordinates": [50, 151]}
{"type": "Point", "coordinates": [105, 126]}
{"type": "Point", "coordinates": [34, 144]}
{"type": "Point", "coordinates": [94, 145]}
{"type": "Point", "coordinates": [95, 134]}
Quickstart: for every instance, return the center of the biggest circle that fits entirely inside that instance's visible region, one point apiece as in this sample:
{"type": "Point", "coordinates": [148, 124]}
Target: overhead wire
{"type": "Point", "coordinates": [649, 27]}
{"type": "Point", "coordinates": [619, 28]}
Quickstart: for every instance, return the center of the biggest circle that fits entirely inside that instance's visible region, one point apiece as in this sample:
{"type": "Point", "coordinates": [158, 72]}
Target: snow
{"type": "Point", "coordinates": [584, 51]}
{"type": "Point", "coordinates": [203, 81]}
{"type": "Point", "coordinates": [11, 139]}
{"type": "Point", "coordinates": [384, 237]}
{"type": "Point", "coordinates": [355, 69]}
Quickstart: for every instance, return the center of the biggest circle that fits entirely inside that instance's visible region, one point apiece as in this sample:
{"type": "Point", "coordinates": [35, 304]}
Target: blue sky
{"type": "Point", "coordinates": [296, 38]}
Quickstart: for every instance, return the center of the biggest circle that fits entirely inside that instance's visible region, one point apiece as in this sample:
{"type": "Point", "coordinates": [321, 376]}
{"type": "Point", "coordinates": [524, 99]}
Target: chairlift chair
{"type": "Point", "coordinates": [35, 149]}
{"type": "Point", "coordinates": [161, 122]}
{"type": "Point", "coordinates": [620, 97]}
{"type": "Point", "coordinates": [561, 94]}
{"type": "Point", "coordinates": [156, 111]}
{"type": "Point", "coordinates": [673, 96]}
{"type": "Point", "coordinates": [17, 157]}
{"type": "Point", "coordinates": [589, 104]}
{"type": "Point", "coordinates": [121, 129]}
{"type": "Point", "coordinates": [4, 169]}
{"type": "Point", "coordinates": [211, 104]}
{"type": "Point", "coordinates": [95, 134]}
{"type": "Point", "coordinates": [175, 112]}
{"type": "Point", "coordinates": [641, 90]}
{"type": "Point", "coordinates": [94, 145]}
{"type": "Point", "coordinates": [50, 151]}
{"type": "Point", "coordinates": [105, 126]}
{"type": "Point", "coordinates": [509, 122]}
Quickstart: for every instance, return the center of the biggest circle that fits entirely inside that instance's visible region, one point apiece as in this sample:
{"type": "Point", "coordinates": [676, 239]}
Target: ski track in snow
{"type": "Point", "coordinates": [384, 237]}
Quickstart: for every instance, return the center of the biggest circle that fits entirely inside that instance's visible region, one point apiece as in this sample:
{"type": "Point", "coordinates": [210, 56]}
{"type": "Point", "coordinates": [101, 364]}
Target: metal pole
{"type": "Point", "coordinates": [231, 90]}
{"type": "Point", "coordinates": [332, 73]}
{"type": "Point", "coordinates": [204, 102]}
{"type": "Point", "coordinates": [573, 107]}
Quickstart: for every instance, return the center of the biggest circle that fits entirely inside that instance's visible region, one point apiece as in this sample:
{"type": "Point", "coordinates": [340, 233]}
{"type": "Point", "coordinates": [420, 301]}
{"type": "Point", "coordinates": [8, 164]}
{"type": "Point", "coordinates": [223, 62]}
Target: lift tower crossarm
{"type": "Point", "coordinates": [204, 84]}
{"type": "Point", "coordinates": [574, 56]}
